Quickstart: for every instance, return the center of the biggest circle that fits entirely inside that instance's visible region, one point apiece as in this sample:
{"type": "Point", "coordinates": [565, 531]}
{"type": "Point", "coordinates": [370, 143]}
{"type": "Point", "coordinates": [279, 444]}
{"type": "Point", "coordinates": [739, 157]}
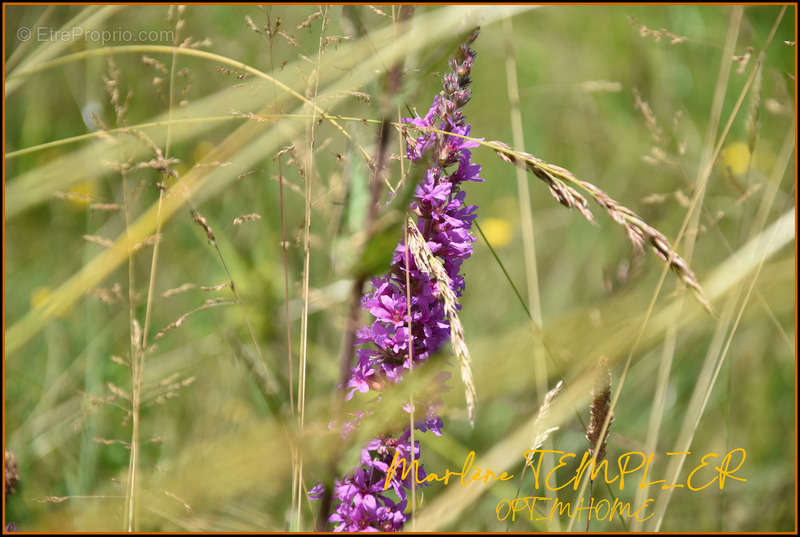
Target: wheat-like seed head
{"type": "Point", "coordinates": [599, 410]}
{"type": "Point", "coordinates": [541, 416]}
{"type": "Point", "coordinates": [638, 231]}
{"type": "Point", "coordinates": [430, 264]}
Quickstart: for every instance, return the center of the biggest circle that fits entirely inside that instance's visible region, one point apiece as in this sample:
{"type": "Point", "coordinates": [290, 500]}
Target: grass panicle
{"type": "Point", "coordinates": [639, 232]}
{"type": "Point", "coordinates": [430, 264]}
{"type": "Point", "coordinates": [599, 412]}
{"type": "Point", "coordinates": [540, 424]}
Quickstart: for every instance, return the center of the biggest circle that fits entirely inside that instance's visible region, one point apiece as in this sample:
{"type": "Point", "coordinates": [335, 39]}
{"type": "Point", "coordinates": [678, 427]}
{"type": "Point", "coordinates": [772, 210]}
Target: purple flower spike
{"type": "Point", "coordinates": [375, 497]}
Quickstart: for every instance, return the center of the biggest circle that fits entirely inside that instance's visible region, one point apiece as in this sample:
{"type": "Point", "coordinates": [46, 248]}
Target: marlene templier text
{"type": "Point", "coordinates": [633, 468]}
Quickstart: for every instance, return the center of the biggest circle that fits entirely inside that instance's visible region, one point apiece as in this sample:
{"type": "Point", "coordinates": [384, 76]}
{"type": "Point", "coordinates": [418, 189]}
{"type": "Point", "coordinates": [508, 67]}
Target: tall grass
{"type": "Point", "coordinates": [243, 155]}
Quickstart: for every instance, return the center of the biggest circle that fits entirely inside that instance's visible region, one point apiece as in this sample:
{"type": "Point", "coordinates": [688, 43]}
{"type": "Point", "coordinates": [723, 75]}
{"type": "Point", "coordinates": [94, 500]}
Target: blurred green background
{"type": "Point", "coordinates": [211, 459]}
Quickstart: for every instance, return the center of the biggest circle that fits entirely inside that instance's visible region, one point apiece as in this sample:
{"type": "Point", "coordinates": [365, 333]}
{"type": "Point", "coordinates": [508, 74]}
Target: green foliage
{"type": "Point", "coordinates": [214, 444]}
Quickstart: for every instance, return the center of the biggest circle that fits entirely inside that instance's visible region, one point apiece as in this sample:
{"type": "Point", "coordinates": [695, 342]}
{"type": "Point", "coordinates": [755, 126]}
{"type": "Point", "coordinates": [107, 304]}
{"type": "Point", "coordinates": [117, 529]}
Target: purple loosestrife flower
{"type": "Point", "coordinates": [364, 503]}
{"type": "Point", "coordinates": [444, 221]}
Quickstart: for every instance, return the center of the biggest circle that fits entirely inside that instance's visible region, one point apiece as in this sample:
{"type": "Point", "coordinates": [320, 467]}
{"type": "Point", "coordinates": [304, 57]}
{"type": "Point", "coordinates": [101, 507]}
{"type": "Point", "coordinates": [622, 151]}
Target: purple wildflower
{"type": "Point", "coordinates": [364, 503]}
{"type": "Point", "coordinates": [316, 492]}
{"type": "Point", "coordinates": [445, 221]}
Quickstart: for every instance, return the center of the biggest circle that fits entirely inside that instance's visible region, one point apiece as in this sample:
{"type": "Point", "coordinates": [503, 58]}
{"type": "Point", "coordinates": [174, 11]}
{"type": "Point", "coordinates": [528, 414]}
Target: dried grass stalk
{"type": "Point", "coordinates": [307, 22]}
{"type": "Point", "coordinates": [176, 290]}
{"type": "Point", "coordinates": [650, 120]}
{"type": "Point", "coordinates": [104, 207]}
{"type": "Point", "coordinates": [753, 121]}
{"type": "Point", "coordinates": [541, 416]}
{"type": "Point", "coordinates": [563, 193]}
{"type": "Point", "coordinates": [210, 303]}
{"type": "Point", "coordinates": [639, 232]}
{"type": "Point", "coordinates": [102, 241]}
{"type": "Point", "coordinates": [203, 223]}
{"type": "Point", "coordinates": [217, 287]}
{"type": "Point", "coordinates": [246, 218]}
{"type": "Point", "coordinates": [428, 263]}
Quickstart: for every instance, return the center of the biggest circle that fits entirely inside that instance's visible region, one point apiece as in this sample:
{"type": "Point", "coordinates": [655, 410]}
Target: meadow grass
{"type": "Point", "coordinates": [190, 223]}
